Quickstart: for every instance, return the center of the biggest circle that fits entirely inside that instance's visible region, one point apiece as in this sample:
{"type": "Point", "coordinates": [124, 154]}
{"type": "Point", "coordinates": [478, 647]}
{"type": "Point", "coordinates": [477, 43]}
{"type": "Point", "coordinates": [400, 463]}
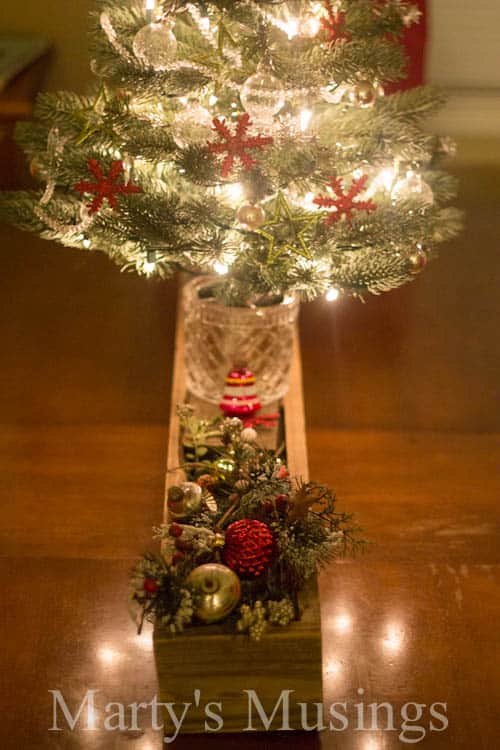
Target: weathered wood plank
{"type": "Point", "coordinates": [295, 418]}
{"type": "Point", "coordinates": [223, 666]}
{"type": "Point", "coordinates": [212, 659]}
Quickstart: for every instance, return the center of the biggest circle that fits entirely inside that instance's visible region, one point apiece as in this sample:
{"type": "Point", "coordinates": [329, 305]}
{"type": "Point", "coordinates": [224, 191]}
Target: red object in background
{"type": "Point", "coordinates": [415, 43]}
{"type": "Point", "coordinates": [240, 397]}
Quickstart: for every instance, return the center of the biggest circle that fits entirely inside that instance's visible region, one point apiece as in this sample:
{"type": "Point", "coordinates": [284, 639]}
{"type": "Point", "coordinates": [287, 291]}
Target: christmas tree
{"type": "Point", "coordinates": [253, 139]}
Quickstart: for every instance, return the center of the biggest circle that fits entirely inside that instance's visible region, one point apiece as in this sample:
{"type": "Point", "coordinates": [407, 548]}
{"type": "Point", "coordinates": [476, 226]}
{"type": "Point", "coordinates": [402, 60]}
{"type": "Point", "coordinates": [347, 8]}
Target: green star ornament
{"type": "Point", "coordinates": [287, 231]}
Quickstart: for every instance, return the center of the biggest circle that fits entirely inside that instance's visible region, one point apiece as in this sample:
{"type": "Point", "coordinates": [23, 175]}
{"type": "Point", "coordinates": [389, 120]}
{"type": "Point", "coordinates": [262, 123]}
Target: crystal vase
{"type": "Point", "coordinates": [219, 338]}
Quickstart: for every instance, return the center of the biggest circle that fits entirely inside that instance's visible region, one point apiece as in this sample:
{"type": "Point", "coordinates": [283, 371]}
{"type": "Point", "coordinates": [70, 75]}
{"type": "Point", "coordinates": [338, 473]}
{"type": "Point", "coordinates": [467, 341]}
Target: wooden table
{"type": "Point", "coordinates": [413, 620]}
{"type": "Point", "coordinates": [84, 400]}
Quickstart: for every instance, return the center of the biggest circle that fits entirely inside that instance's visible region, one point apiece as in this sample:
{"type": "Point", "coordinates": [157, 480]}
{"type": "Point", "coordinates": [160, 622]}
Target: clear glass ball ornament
{"type": "Point", "coordinates": [192, 125]}
{"type": "Point", "coordinates": [155, 45]}
{"type": "Point", "coordinates": [262, 95]}
{"type": "Point", "coordinates": [413, 187]}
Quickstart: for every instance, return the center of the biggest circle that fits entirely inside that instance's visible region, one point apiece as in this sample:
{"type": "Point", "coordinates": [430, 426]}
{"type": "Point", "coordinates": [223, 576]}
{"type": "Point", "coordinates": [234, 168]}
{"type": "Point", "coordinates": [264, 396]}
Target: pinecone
{"type": "Point", "coordinates": [249, 548]}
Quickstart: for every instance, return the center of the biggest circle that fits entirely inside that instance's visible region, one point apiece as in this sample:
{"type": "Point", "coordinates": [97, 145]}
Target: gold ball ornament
{"type": "Point", "coordinates": [418, 260]}
{"type": "Point", "coordinates": [250, 216]}
{"type": "Point", "coordinates": [364, 94]}
{"type": "Point", "coordinates": [217, 591]}
{"type": "Point", "coordinates": [184, 500]}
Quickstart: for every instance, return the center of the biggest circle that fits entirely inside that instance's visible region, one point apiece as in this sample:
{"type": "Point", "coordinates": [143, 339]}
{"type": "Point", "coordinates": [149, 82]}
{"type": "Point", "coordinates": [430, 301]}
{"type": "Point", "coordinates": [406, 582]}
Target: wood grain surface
{"type": "Point", "coordinates": [403, 421]}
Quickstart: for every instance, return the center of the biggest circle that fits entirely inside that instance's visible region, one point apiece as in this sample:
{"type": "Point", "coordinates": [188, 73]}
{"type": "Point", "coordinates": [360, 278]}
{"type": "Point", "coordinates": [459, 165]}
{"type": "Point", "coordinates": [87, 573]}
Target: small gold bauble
{"type": "Point", "coordinates": [217, 591]}
{"type": "Point", "coordinates": [418, 260]}
{"type": "Point", "coordinates": [363, 94]}
{"type": "Point", "coordinates": [251, 216]}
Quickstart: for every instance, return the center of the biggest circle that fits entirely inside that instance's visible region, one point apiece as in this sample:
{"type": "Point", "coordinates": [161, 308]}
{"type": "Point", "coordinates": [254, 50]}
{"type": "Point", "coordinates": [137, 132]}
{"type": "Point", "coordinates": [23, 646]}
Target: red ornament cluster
{"type": "Point", "coordinates": [345, 204]}
{"type": "Point", "coordinates": [237, 146]}
{"type": "Point", "coordinates": [248, 548]}
{"type": "Point", "coordinates": [105, 187]}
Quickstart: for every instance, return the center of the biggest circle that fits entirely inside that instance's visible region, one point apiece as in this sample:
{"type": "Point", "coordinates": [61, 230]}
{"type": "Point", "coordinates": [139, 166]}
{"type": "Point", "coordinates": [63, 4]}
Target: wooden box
{"type": "Point", "coordinates": [211, 664]}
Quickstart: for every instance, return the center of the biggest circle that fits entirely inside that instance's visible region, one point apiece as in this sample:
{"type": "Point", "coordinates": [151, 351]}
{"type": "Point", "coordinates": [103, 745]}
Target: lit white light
{"type": "Point", "coordinates": [86, 243]}
{"type": "Point", "coordinates": [308, 202]}
{"type": "Point", "coordinates": [333, 668]}
{"type": "Point", "coordinates": [108, 655]}
{"type": "Point", "coordinates": [144, 641]}
{"type": "Point", "coordinates": [149, 268]}
{"type": "Point", "coordinates": [305, 119]}
{"type": "Point", "coordinates": [310, 27]}
{"type": "Point", "coordinates": [387, 177]}
{"type": "Point", "coordinates": [92, 717]}
{"type": "Point", "coordinates": [288, 300]}
{"type": "Point", "coordinates": [233, 193]}
{"type": "Point", "coordinates": [291, 27]}
{"type": "Point", "coordinates": [357, 173]}
{"type": "Point", "coordinates": [221, 268]}
{"type": "Point", "coordinates": [394, 639]}
{"type": "Point", "coordinates": [342, 623]}
{"type": "Point", "coordinates": [204, 23]}
{"type": "Point", "coordinates": [213, 100]}
{"type": "Point", "coordinates": [331, 296]}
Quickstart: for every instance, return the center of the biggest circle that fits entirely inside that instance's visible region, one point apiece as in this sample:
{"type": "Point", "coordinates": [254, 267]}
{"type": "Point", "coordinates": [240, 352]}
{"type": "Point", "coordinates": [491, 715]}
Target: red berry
{"type": "Point", "coordinates": [178, 557]}
{"type": "Point", "coordinates": [151, 585]}
{"type": "Point", "coordinates": [176, 530]}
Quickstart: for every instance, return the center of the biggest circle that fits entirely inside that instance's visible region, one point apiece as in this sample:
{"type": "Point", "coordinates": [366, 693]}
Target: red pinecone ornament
{"type": "Point", "coordinates": [249, 548]}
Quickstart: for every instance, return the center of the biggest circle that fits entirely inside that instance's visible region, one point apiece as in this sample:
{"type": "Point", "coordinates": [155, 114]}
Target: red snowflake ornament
{"type": "Point", "coordinates": [238, 145]}
{"type": "Point", "coordinates": [344, 204]}
{"type": "Point", "coordinates": [249, 548]}
{"type": "Point", "coordinates": [105, 186]}
{"type": "Point", "coordinates": [334, 24]}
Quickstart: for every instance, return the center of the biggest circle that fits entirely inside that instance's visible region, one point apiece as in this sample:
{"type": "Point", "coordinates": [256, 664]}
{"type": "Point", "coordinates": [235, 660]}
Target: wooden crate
{"type": "Point", "coordinates": [214, 660]}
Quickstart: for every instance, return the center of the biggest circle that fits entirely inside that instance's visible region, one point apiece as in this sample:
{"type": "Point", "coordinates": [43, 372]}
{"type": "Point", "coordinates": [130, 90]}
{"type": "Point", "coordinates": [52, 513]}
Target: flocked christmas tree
{"type": "Point", "coordinates": [249, 138]}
